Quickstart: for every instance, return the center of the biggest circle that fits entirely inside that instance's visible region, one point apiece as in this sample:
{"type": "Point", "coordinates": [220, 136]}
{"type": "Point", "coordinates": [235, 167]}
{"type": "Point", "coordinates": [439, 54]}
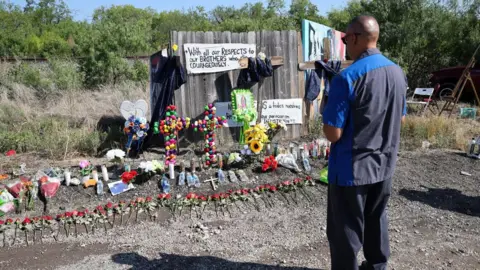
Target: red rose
{"type": "Point", "coordinates": [128, 176]}
{"type": "Point", "coordinates": [191, 196]}
{"type": "Point", "coordinates": [47, 218]}
{"type": "Point", "coordinates": [9, 221]}
{"type": "Point", "coordinates": [99, 208]}
{"type": "Point", "coordinates": [75, 213]}
{"type": "Point", "coordinates": [168, 196]}
{"type": "Point", "coordinates": [265, 167]}
{"type": "Point", "coordinates": [60, 216]}
{"type": "Point", "coordinates": [140, 200]}
{"type": "Point", "coordinates": [10, 153]}
{"type": "Point", "coordinates": [26, 221]}
{"type": "Point", "coordinates": [273, 188]}
{"type": "Point", "coordinates": [68, 214]}
{"type": "Point", "coordinates": [286, 183]}
{"type": "Point", "coordinates": [109, 205]}
{"type": "Point", "coordinates": [2, 222]}
{"type": "Point", "coordinates": [203, 198]}
{"type": "Point", "coordinates": [215, 196]}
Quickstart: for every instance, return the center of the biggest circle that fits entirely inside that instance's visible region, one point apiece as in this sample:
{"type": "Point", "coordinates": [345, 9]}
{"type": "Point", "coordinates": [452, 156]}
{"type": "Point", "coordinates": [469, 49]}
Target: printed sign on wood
{"type": "Point", "coordinates": [286, 110]}
{"type": "Point", "coordinates": [209, 58]}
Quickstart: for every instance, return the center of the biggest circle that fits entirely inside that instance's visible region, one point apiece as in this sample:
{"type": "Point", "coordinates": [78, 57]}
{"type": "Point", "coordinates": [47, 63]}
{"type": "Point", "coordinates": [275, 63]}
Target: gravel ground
{"type": "Point", "coordinates": [434, 224]}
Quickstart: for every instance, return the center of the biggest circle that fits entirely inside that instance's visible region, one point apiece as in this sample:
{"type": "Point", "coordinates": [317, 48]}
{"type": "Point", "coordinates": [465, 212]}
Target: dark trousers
{"type": "Point", "coordinates": [356, 217]}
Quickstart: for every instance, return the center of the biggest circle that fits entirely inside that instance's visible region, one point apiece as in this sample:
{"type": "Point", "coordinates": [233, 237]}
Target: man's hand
{"type": "Point", "coordinates": [403, 120]}
{"type": "Point", "coordinates": [333, 134]}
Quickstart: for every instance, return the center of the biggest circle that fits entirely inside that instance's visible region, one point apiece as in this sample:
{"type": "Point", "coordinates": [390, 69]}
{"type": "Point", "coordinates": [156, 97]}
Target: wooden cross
{"type": "Point", "coordinates": [212, 181]}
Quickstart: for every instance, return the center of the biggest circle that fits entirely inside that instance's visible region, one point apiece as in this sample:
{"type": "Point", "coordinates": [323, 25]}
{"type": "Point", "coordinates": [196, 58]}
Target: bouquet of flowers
{"type": "Point", "coordinates": [256, 136]}
{"type": "Point", "coordinates": [275, 128]}
{"type": "Point", "coordinates": [127, 177]}
{"type": "Point", "coordinates": [115, 156]}
{"type": "Point", "coordinates": [136, 130]}
{"type": "Point", "coordinates": [85, 167]}
{"type": "Point", "coordinates": [269, 162]}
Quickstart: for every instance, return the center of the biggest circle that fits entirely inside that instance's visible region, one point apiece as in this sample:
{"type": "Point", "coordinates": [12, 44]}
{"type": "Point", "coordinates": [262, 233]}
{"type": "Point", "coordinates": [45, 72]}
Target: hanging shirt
{"type": "Point", "coordinates": [168, 77]}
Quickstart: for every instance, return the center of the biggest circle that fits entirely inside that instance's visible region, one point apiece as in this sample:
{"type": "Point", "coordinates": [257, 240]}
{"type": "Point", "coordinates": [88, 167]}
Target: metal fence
{"type": "Point", "coordinates": [201, 89]}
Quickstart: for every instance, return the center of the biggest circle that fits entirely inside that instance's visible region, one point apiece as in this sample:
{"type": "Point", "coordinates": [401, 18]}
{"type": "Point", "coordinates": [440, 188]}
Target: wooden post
{"type": "Point", "coordinates": [301, 87]}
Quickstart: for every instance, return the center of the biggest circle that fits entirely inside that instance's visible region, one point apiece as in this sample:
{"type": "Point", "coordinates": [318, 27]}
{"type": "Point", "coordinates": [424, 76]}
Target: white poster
{"type": "Point", "coordinates": [209, 58]}
{"type": "Point", "coordinates": [287, 110]}
{"type": "Point", "coordinates": [225, 109]}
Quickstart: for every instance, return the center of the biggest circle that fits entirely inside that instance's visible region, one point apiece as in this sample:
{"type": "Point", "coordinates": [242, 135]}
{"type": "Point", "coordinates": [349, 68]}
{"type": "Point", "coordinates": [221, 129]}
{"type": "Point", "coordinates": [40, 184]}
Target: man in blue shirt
{"type": "Point", "coordinates": [362, 119]}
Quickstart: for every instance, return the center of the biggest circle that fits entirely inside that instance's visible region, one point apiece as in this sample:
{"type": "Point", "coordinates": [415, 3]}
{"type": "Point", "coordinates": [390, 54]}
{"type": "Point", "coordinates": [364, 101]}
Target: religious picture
{"type": "Point", "coordinates": [243, 99]}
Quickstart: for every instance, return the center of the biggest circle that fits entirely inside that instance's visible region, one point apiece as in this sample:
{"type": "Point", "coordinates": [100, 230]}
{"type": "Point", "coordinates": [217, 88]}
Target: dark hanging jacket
{"type": "Point", "coordinates": [256, 68]}
{"type": "Point", "coordinates": [323, 71]}
{"type": "Point", "coordinates": [167, 77]}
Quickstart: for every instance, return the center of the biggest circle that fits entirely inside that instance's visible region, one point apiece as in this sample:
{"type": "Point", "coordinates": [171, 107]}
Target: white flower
{"type": "Point", "coordinates": [127, 123]}
{"type": "Point", "coordinates": [115, 154]}
{"type": "Point", "coordinates": [147, 166]}
{"type": "Point", "coordinates": [157, 166]}
{"type": "Point", "coordinates": [283, 125]}
{"type": "Point", "coordinates": [143, 120]}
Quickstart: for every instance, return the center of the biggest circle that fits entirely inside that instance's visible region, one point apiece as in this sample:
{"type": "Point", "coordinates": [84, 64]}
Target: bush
{"type": "Point", "coordinates": [440, 132]}
{"type": "Point", "coordinates": [140, 72]}
{"type": "Point", "coordinates": [66, 75]}
{"type": "Point", "coordinates": [51, 137]}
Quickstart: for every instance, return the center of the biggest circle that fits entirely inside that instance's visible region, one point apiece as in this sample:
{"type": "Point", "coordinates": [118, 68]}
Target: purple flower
{"type": "Point", "coordinates": [84, 163]}
{"type": "Point", "coordinates": [131, 118]}
{"type": "Point", "coordinates": [246, 150]}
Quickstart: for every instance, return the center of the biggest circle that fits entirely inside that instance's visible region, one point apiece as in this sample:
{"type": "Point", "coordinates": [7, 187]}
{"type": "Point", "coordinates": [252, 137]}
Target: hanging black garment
{"type": "Point", "coordinates": [264, 68]}
{"type": "Point", "coordinates": [248, 76]}
{"type": "Point", "coordinates": [166, 78]}
{"type": "Point", "coordinates": [313, 86]}
{"type": "Point", "coordinates": [326, 71]}
{"type": "Point", "coordinates": [323, 71]}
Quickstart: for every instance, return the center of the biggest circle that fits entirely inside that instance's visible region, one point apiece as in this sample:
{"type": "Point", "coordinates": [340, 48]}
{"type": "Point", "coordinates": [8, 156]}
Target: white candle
{"type": "Point", "coordinates": [68, 178]}
{"type": "Point", "coordinates": [171, 169]}
{"type": "Point", "coordinates": [95, 175]}
{"type": "Point", "coordinates": [105, 173]}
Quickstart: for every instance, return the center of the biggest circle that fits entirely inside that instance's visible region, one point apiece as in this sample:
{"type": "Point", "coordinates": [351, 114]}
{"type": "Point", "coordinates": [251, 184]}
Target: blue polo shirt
{"type": "Point", "coordinates": [367, 100]}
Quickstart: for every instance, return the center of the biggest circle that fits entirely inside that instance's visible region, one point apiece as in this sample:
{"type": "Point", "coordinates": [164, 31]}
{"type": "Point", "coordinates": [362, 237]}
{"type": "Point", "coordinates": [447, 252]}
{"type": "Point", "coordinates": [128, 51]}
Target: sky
{"type": "Point", "coordinates": [83, 9]}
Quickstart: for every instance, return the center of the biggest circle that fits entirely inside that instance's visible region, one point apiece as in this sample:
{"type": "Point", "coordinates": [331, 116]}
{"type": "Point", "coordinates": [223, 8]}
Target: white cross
{"type": "Point", "coordinates": [212, 181]}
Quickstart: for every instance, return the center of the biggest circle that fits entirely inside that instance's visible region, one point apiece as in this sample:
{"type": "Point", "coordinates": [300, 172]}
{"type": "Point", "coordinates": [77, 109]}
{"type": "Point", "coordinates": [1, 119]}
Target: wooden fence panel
{"type": "Point", "coordinates": [202, 89]}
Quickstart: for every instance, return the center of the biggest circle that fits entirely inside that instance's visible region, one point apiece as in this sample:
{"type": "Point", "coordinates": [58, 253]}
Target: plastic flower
{"type": "Point", "coordinates": [146, 166]}
{"type": "Point", "coordinates": [246, 150]}
{"type": "Point", "coordinates": [10, 153]}
{"type": "Point", "coordinates": [175, 47]}
{"type": "Point", "coordinates": [84, 164]}
{"type": "Point", "coordinates": [256, 147]}
{"type": "Point", "coordinates": [115, 155]}
{"type": "Point", "coordinates": [157, 166]}
{"type": "Point", "coordinates": [127, 177]}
